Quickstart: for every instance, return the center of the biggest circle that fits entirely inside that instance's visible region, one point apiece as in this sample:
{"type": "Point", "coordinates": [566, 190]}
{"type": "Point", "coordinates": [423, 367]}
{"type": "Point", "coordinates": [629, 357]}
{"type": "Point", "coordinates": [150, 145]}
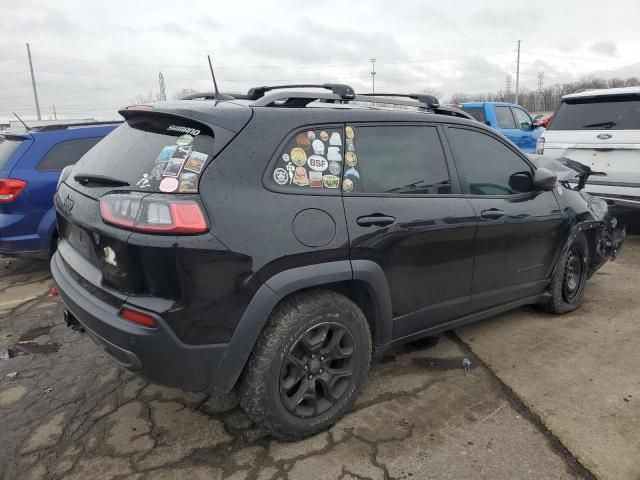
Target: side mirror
{"type": "Point", "coordinates": [536, 124]}
{"type": "Point", "coordinates": [545, 179]}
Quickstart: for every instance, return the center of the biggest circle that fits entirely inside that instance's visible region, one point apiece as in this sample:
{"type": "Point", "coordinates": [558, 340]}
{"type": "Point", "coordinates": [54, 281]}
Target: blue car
{"type": "Point", "coordinates": [30, 164]}
{"type": "Point", "coordinates": [510, 119]}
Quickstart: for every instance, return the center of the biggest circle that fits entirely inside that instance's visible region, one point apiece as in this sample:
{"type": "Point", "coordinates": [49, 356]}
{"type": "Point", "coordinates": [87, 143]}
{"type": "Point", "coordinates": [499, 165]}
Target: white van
{"type": "Point", "coordinates": [601, 129]}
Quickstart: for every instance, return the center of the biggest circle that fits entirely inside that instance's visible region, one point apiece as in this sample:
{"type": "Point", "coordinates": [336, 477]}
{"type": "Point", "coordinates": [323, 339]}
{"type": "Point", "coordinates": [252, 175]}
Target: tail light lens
{"type": "Point", "coordinates": [10, 188]}
{"type": "Point", "coordinates": [153, 214]}
{"type": "Point", "coordinates": [540, 146]}
{"type": "Point", "coordinates": [138, 317]}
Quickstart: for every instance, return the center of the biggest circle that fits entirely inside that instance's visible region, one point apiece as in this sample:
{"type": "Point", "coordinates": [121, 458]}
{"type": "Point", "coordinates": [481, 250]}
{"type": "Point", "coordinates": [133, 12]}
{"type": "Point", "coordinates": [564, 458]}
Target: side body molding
{"type": "Point", "coordinates": [289, 281]}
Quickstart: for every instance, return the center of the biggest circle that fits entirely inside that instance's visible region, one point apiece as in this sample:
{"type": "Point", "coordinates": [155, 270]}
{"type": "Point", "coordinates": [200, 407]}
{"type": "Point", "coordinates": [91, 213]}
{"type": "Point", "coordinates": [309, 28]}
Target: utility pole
{"type": "Point", "coordinates": [540, 83]}
{"type": "Point", "coordinates": [55, 115]}
{"type": "Point", "coordinates": [163, 93]}
{"type": "Point", "coordinates": [33, 82]}
{"type": "Point", "coordinates": [373, 75]}
{"type": "Point", "coordinates": [518, 73]}
{"type": "Point", "coordinates": [508, 94]}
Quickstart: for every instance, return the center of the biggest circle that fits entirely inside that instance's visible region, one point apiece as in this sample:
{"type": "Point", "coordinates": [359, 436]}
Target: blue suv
{"type": "Point", "coordinates": [510, 119]}
{"type": "Point", "coordinates": [30, 165]}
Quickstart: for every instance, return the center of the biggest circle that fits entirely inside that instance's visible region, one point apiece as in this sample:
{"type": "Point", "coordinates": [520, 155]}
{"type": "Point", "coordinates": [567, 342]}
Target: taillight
{"type": "Point", "coordinates": [540, 146]}
{"type": "Point", "coordinates": [10, 188]}
{"type": "Point", "coordinates": [153, 214]}
{"type": "Point", "coordinates": [138, 317]}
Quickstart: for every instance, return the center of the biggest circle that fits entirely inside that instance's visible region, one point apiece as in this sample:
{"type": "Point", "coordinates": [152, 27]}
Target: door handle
{"type": "Point", "coordinates": [375, 220]}
{"type": "Point", "coordinates": [492, 214]}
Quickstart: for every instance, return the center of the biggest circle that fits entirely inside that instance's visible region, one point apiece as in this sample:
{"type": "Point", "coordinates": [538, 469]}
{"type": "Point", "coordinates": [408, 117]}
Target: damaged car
{"type": "Point", "coordinates": [272, 243]}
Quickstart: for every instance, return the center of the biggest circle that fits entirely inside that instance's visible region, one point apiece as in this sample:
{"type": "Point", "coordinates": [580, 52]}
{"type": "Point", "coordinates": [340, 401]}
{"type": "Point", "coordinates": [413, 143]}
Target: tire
{"type": "Point", "coordinates": [569, 277]}
{"type": "Point", "coordinates": [281, 366]}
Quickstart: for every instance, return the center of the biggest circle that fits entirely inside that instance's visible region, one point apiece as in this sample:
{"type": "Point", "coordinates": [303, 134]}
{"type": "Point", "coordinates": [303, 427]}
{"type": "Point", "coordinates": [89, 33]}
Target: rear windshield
{"type": "Point", "coordinates": [602, 113]}
{"type": "Point", "coordinates": [7, 147]}
{"type": "Point", "coordinates": [152, 153]}
{"type": "Point", "coordinates": [476, 112]}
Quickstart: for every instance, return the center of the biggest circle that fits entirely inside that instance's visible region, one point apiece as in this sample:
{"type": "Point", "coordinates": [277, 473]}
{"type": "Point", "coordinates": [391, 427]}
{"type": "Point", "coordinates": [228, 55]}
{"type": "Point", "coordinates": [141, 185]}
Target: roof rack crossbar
{"type": "Point", "coordinates": [429, 100]}
{"type": "Point", "coordinates": [346, 92]}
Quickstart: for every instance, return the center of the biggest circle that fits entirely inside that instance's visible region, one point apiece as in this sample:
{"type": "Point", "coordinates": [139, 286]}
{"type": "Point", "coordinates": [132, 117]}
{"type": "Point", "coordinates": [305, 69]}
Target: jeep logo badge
{"type": "Point", "coordinates": [67, 203]}
{"type": "Point", "coordinates": [604, 136]}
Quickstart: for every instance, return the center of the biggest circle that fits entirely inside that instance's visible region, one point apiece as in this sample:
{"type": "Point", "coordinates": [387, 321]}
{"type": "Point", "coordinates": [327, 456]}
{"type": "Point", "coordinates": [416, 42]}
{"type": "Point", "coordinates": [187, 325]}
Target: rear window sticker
{"type": "Point", "coordinates": [300, 178]}
{"type": "Point", "coordinates": [188, 182]}
{"type": "Point", "coordinates": [181, 153]}
{"type": "Point", "coordinates": [173, 167]}
{"type": "Point", "coordinates": [352, 172]}
{"type": "Point", "coordinates": [324, 136]}
{"type": "Point", "coordinates": [168, 184]}
{"type": "Point", "coordinates": [196, 162]}
{"type": "Point", "coordinates": [311, 135]}
{"type": "Point", "coordinates": [350, 133]}
{"type": "Point", "coordinates": [177, 128]}
{"type": "Point", "coordinates": [318, 147]}
{"type": "Point", "coordinates": [333, 153]}
{"type": "Point", "coordinates": [315, 179]}
{"type": "Point", "coordinates": [298, 157]}
{"type": "Point", "coordinates": [286, 157]}
{"type": "Point", "coordinates": [144, 181]}
{"type": "Point", "coordinates": [334, 168]}
{"type": "Point", "coordinates": [184, 140]}
{"type": "Point", "coordinates": [335, 139]}
{"type": "Point", "coordinates": [280, 176]}
{"type": "Point", "coordinates": [317, 163]}
{"type": "Point", "coordinates": [351, 159]}
{"type": "Point", "coordinates": [331, 181]}
{"type": "Point", "coordinates": [347, 185]}
{"type": "Point", "coordinates": [303, 141]}
{"type": "Point", "coordinates": [166, 153]}
{"type": "Point", "coordinates": [290, 170]}
{"type": "Point", "coordinates": [156, 172]}
{"type": "Point", "coordinates": [350, 146]}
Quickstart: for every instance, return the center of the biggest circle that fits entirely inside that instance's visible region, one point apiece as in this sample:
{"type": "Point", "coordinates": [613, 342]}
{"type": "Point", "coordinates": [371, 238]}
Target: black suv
{"type": "Point", "coordinates": [273, 242]}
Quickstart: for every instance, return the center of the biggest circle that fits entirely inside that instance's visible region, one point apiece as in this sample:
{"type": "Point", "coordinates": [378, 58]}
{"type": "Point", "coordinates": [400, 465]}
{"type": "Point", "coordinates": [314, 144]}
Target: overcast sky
{"type": "Point", "coordinates": [92, 57]}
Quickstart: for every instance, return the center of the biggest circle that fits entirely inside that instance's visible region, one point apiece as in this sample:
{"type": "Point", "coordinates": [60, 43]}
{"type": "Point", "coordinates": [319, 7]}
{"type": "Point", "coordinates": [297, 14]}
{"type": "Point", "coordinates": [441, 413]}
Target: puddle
{"type": "Point", "coordinates": [35, 342]}
{"type": "Point", "coordinates": [414, 346]}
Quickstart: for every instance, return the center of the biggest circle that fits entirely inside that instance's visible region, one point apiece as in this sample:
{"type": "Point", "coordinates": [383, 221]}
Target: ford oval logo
{"type": "Point", "coordinates": [604, 136]}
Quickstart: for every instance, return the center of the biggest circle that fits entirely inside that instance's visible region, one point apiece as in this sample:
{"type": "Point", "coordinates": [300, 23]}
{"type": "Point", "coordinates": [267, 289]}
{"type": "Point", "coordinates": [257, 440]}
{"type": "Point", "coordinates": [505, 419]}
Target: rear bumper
{"type": "Point", "coordinates": [156, 354]}
{"type": "Point", "coordinates": [20, 238]}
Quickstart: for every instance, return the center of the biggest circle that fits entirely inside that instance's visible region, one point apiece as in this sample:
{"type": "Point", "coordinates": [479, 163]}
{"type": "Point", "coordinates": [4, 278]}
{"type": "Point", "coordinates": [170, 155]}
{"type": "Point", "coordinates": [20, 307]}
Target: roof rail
{"type": "Point", "coordinates": [346, 92]}
{"type": "Point", "coordinates": [215, 96]}
{"type": "Point", "coordinates": [429, 100]}
{"type": "Point", "coordinates": [64, 126]}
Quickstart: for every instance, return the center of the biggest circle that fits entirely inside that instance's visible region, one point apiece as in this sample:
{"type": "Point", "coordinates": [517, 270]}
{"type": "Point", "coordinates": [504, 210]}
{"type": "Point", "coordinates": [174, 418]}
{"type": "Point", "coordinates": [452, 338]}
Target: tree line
{"type": "Point", "coordinates": [548, 98]}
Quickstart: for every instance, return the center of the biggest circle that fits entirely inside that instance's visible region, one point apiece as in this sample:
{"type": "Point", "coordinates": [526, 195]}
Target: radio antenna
{"type": "Point", "coordinates": [215, 84]}
{"type": "Point", "coordinates": [25, 125]}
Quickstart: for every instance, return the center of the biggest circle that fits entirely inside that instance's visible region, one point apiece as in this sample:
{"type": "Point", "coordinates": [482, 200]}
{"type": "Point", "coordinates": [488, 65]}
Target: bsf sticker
{"type": "Point", "coordinates": [168, 184]}
{"type": "Point", "coordinates": [334, 168]}
{"type": "Point", "coordinates": [318, 163]}
{"type": "Point", "coordinates": [315, 179]}
{"type": "Point", "coordinates": [350, 133]}
{"type": "Point", "coordinates": [347, 185]}
{"type": "Point", "coordinates": [298, 157]}
{"type": "Point", "coordinates": [324, 136]}
{"type": "Point", "coordinates": [184, 140]}
{"type": "Point", "coordinates": [351, 159]}
{"type": "Point", "coordinates": [300, 178]}
{"type": "Point", "coordinates": [280, 176]}
{"type": "Point", "coordinates": [286, 157]}
{"type": "Point", "coordinates": [331, 181]}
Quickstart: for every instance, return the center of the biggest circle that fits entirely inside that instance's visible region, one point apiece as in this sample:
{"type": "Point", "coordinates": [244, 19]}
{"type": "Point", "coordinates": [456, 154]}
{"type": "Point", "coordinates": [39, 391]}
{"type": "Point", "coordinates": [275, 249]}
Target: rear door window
{"type": "Point", "coordinates": [66, 153]}
{"type": "Point", "coordinates": [402, 160]}
{"type": "Point", "coordinates": [523, 120]}
{"type": "Point", "coordinates": [504, 117]}
{"type": "Point", "coordinates": [600, 113]}
{"type": "Point", "coordinates": [8, 146]}
{"type": "Point", "coordinates": [152, 153]}
{"type": "Point", "coordinates": [476, 112]}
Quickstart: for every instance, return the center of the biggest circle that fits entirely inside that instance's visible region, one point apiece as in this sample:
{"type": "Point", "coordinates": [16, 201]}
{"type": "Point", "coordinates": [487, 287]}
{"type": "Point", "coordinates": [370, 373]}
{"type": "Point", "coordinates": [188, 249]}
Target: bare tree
{"type": "Point", "coordinates": [183, 92]}
{"type": "Point", "coordinates": [146, 98]}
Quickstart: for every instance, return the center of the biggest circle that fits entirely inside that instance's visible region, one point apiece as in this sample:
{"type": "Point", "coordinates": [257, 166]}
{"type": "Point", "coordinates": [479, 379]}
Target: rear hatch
{"type": "Point", "coordinates": [602, 132]}
{"type": "Point", "coordinates": [151, 163]}
{"type": "Point", "coordinates": [12, 147]}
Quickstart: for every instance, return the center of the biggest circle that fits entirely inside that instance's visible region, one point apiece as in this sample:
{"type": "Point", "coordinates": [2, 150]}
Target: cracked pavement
{"type": "Point", "coordinates": [67, 411]}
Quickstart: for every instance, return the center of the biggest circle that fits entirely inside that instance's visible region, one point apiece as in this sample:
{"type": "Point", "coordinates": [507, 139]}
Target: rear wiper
{"type": "Point", "coordinates": [88, 180]}
{"type": "Point", "coordinates": [603, 125]}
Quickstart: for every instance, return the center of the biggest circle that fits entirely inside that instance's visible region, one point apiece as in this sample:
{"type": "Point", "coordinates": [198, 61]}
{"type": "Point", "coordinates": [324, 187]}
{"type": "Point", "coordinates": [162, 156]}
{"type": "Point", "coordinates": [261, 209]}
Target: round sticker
{"type": "Point", "coordinates": [351, 159]}
{"type": "Point", "coordinates": [324, 136]}
{"type": "Point", "coordinates": [168, 184]}
{"type": "Point", "coordinates": [350, 133]}
{"type": "Point", "coordinates": [311, 135]}
{"type": "Point", "coordinates": [334, 168]}
{"type": "Point", "coordinates": [184, 140]}
{"type": "Point", "coordinates": [286, 157]}
{"type": "Point", "coordinates": [298, 157]}
{"type": "Point", "coordinates": [318, 163]}
{"type": "Point", "coordinates": [347, 185]}
{"type": "Point", "coordinates": [303, 141]}
{"type": "Point", "coordinates": [280, 176]}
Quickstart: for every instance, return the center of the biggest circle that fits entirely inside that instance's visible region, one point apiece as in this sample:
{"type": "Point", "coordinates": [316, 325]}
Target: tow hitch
{"type": "Point", "coordinates": [71, 321]}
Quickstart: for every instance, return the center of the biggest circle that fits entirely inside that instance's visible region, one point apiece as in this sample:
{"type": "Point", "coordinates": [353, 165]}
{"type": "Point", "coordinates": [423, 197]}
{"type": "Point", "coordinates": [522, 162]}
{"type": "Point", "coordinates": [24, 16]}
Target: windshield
{"type": "Point", "coordinates": [7, 147]}
{"type": "Point", "coordinates": [150, 153]}
{"type": "Point", "coordinates": [600, 113]}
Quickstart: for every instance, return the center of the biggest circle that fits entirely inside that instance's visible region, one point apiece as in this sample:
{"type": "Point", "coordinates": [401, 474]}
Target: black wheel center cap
{"type": "Point", "coordinates": [314, 365]}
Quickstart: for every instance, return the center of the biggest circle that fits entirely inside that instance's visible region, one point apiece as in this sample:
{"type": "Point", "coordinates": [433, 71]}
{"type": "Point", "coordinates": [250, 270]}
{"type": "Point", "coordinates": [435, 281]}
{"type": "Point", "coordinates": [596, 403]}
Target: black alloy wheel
{"type": "Point", "coordinates": [574, 277]}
